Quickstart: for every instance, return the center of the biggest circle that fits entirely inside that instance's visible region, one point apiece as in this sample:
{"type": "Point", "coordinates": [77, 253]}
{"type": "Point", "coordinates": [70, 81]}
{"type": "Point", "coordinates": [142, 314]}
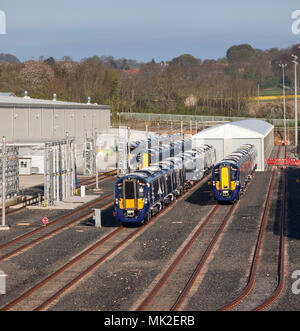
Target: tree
{"type": "Point", "coordinates": [35, 74]}
{"type": "Point", "coordinates": [50, 61]}
{"type": "Point", "coordinates": [236, 54]}
{"type": "Point", "coordinates": [124, 65]}
{"type": "Point", "coordinates": [188, 64]}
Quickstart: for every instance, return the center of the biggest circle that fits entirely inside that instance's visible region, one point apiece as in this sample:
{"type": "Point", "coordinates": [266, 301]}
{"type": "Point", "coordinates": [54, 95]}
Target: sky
{"type": "Point", "coordinates": [144, 29]}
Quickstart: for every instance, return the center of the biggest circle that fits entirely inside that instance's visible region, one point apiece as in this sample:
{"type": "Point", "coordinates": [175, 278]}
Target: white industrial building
{"type": "Point", "coordinates": [25, 119]}
{"type": "Point", "coordinates": [227, 137]}
{"type": "Point", "coordinates": [50, 137]}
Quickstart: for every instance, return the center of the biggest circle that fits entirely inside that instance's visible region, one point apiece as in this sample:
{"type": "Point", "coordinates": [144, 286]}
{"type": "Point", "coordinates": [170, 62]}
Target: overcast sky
{"type": "Point", "coordinates": [144, 29]}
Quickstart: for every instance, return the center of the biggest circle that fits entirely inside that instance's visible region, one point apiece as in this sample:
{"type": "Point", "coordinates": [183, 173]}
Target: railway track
{"type": "Point", "coordinates": [88, 182]}
{"type": "Point", "coordinates": [257, 252]}
{"type": "Point", "coordinates": [34, 237]}
{"type": "Point", "coordinates": [281, 254]}
{"type": "Point", "coordinates": [43, 294]}
{"type": "Point", "coordinates": [92, 179]}
{"type": "Point", "coordinates": [163, 293]}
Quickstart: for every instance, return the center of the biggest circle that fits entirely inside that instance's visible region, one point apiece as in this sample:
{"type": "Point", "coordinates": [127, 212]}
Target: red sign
{"type": "Point", "coordinates": [45, 220]}
{"type": "Point", "coordinates": [284, 162]}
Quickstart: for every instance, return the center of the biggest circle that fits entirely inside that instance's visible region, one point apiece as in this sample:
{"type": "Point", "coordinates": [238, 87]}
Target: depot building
{"type": "Point", "coordinates": [230, 136]}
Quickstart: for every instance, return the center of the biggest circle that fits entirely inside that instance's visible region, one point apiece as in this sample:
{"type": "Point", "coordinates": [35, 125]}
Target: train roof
{"type": "Point", "coordinates": [238, 156]}
{"type": "Point", "coordinates": [148, 174]}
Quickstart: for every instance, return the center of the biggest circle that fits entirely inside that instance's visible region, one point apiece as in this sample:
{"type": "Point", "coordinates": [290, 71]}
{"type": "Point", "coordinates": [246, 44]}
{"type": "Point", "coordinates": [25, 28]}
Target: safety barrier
{"type": "Point", "coordinates": [284, 162]}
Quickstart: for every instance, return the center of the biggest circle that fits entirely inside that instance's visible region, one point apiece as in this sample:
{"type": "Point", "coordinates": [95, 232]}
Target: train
{"type": "Point", "coordinates": [146, 153]}
{"type": "Point", "coordinates": [231, 175]}
{"type": "Point", "coordinates": [144, 193]}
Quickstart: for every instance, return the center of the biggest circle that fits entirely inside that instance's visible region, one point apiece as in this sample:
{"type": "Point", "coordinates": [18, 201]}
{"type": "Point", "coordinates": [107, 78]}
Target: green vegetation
{"type": "Point", "coordinates": [271, 91]}
{"type": "Point", "coordinates": [184, 85]}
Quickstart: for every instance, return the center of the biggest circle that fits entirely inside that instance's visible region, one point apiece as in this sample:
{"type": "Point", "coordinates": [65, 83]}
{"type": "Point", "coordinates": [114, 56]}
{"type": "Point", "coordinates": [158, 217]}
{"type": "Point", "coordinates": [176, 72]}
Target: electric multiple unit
{"type": "Point", "coordinates": [146, 153]}
{"type": "Point", "coordinates": [231, 175]}
{"type": "Point", "coordinates": [143, 193]}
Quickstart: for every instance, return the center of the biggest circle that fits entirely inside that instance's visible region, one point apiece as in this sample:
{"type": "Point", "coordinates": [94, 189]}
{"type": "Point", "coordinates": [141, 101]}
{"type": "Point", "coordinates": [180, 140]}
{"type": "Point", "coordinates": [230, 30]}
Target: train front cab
{"type": "Point", "coordinates": [130, 200]}
{"type": "Point", "coordinates": [225, 178]}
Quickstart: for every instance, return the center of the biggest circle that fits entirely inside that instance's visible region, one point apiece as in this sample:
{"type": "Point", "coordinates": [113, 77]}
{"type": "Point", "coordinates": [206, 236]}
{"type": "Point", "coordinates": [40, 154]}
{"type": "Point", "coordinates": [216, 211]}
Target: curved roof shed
{"type": "Point", "coordinates": [227, 137]}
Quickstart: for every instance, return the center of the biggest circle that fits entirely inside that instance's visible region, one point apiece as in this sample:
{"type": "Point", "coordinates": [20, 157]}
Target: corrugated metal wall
{"type": "Point", "coordinates": [24, 123]}
{"type": "Point", "coordinates": [39, 122]}
{"type": "Point", "coordinates": [268, 146]}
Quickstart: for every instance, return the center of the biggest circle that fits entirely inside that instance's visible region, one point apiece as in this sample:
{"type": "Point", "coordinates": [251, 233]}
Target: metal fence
{"type": "Point", "coordinates": [11, 172]}
{"type": "Point", "coordinates": [196, 118]}
{"type": "Point", "coordinates": [59, 177]}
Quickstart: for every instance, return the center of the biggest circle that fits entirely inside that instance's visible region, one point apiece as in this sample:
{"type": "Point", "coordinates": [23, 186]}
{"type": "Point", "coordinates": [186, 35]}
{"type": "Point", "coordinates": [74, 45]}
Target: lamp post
{"type": "Point", "coordinates": [283, 87]}
{"type": "Point", "coordinates": [296, 103]}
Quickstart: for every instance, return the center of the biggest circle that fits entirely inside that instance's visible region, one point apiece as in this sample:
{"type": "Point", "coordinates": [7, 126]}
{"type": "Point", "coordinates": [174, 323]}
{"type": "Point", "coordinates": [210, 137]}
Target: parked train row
{"type": "Point", "coordinates": [143, 193]}
{"type": "Point", "coordinates": [146, 153]}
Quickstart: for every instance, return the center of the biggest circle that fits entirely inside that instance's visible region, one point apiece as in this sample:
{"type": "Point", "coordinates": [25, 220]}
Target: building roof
{"type": "Point", "coordinates": [8, 94]}
{"type": "Point", "coordinates": [11, 101]}
{"type": "Point", "coordinates": [251, 128]}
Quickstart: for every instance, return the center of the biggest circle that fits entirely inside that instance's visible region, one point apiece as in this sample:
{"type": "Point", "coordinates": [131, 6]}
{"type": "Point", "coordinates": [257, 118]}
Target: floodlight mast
{"type": "Point", "coordinates": [283, 88]}
{"type": "Point", "coordinates": [296, 102]}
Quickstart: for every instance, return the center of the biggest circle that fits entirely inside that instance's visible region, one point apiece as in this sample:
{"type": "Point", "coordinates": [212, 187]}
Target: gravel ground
{"type": "Point", "coordinates": [118, 283]}
{"type": "Point", "coordinates": [266, 274]}
{"type": "Point", "coordinates": [34, 264]}
{"type": "Point", "coordinates": [288, 299]}
{"type": "Point", "coordinates": [228, 266]}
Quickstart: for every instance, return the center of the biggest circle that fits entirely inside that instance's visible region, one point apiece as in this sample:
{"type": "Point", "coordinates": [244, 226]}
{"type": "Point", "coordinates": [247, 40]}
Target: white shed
{"type": "Point", "coordinates": [227, 137]}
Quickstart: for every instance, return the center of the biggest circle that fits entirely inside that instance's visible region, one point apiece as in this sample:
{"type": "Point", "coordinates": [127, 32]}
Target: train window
{"type": "Point", "coordinates": [141, 190]}
{"type": "Point", "coordinates": [160, 186]}
{"type": "Point", "coordinates": [155, 187]}
{"type": "Point", "coordinates": [169, 182]}
{"type": "Point", "coordinates": [234, 174]}
{"type": "Point", "coordinates": [129, 190]}
{"type": "Point", "coordinates": [120, 191]}
{"type": "Point", "coordinates": [217, 174]}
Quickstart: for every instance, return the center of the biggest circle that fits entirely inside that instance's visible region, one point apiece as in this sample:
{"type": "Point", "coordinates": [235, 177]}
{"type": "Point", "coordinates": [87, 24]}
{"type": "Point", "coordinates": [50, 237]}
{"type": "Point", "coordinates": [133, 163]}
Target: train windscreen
{"type": "Point", "coordinates": [129, 190]}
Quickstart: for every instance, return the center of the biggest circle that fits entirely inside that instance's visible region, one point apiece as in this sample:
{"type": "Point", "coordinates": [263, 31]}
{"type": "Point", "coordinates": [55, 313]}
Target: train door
{"type": "Point", "coordinates": [145, 162]}
{"type": "Point", "coordinates": [225, 178]}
